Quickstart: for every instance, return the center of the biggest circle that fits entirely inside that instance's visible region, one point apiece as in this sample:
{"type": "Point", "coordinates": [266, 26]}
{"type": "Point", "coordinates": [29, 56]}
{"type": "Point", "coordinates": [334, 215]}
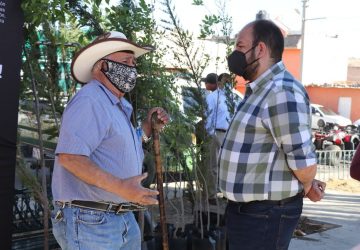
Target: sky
{"type": "Point", "coordinates": [332, 19]}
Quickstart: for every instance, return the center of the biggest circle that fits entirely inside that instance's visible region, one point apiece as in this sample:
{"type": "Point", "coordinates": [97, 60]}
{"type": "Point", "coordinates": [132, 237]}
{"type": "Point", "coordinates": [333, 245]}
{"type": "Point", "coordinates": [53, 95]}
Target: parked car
{"type": "Point", "coordinates": [320, 112]}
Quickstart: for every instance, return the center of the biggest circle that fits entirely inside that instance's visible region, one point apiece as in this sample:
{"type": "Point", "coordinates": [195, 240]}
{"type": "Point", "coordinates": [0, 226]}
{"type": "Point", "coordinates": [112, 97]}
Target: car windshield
{"type": "Point", "coordinates": [327, 111]}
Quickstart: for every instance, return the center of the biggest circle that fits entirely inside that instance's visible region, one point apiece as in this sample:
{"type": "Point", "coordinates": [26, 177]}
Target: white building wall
{"type": "Point", "coordinates": [216, 52]}
{"type": "Point", "coordinates": [324, 58]}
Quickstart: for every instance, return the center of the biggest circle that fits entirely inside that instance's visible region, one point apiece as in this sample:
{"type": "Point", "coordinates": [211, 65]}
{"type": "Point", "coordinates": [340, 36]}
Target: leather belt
{"type": "Point", "coordinates": [271, 202]}
{"type": "Point", "coordinates": [220, 130]}
{"type": "Point", "coordinates": [103, 206]}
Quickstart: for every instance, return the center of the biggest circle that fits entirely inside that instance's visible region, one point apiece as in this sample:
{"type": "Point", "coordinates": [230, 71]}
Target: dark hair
{"type": "Point", "coordinates": [127, 51]}
{"type": "Point", "coordinates": [224, 76]}
{"type": "Point", "coordinates": [269, 33]}
{"type": "Point", "coordinates": [210, 78]}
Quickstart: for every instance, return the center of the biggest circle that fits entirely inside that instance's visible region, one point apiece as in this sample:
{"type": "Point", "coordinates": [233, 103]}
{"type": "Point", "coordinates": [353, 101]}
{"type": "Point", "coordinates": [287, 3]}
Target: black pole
{"type": "Point", "coordinates": [11, 22]}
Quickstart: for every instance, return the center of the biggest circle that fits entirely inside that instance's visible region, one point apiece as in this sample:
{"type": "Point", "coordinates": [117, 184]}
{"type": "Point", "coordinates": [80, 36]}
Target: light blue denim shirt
{"type": "Point", "coordinates": [96, 124]}
{"type": "Point", "coordinates": [218, 115]}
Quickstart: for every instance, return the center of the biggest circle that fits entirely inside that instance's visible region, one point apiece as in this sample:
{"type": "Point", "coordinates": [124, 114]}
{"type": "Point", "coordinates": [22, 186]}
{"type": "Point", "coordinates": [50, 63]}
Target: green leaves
{"type": "Point", "coordinates": [207, 26]}
{"type": "Point", "coordinates": [39, 11]}
{"type": "Point", "coordinates": [198, 2]}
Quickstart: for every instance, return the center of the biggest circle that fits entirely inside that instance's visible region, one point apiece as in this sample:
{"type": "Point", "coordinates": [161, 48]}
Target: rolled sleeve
{"type": "Point", "coordinates": [289, 121]}
{"type": "Point", "coordinates": [84, 125]}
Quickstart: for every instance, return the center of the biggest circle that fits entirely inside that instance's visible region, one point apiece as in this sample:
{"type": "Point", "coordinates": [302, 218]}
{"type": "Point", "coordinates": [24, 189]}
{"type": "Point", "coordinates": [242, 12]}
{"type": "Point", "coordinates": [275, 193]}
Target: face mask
{"type": "Point", "coordinates": [122, 76]}
{"type": "Point", "coordinates": [237, 62]}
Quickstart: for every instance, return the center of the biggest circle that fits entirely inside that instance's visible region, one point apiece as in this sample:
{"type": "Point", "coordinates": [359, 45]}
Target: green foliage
{"type": "Point", "coordinates": [27, 178]}
{"type": "Point", "coordinates": [192, 61]}
{"type": "Point", "coordinates": [218, 25]}
{"type": "Point", "coordinates": [232, 100]}
{"type": "Point", "coordinates": [198, 2]}
{"type": "Point", "coordinates": [88, 17]}
{"type": "Point", "coordinates": [130, 19]}
{"type": "Point", "coordinates": [37, 12]}
{"type": "Point", "coordinates": [207, 25]}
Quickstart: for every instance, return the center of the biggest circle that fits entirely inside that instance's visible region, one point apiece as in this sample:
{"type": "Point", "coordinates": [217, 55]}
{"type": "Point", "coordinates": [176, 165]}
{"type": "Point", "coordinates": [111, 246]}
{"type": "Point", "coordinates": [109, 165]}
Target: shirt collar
{"type": "Point", "coordinates": [113, 99]}
{"type": "Point", "coordinates": [266, 76]}
{"type": "Point", "coordinates": [121, 102]}
{"type": "Point", "coordinates": [220, 90]}
{"type": "Point", "coordinates": [126, 107]}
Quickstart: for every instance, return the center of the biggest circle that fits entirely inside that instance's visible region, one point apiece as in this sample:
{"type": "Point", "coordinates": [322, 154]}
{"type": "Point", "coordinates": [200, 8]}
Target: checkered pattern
{"type": "Point", "coordinates": [269, 137]}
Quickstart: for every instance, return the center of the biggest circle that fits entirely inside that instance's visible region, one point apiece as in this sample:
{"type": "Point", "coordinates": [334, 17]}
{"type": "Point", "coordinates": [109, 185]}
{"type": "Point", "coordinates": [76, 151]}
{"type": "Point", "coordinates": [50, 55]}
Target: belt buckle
{"type": "Point", "coordinates": [62, 204]}
{"type": "Point", "coordinates": [127, 207]}
{"type": "Point", "coordinates": [138, 207]}
{"type": "Point", "coordinates": [123, 207]}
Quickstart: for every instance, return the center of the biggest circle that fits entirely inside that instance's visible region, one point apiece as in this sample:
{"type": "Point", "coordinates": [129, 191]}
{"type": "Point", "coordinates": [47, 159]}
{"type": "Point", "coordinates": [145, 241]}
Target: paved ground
{"type": "Point", "coordinates": [341, 208]}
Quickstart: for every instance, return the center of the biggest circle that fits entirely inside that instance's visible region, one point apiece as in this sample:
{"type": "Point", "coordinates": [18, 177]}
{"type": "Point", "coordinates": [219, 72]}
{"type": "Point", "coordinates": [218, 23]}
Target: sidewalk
{"type": "Point", "coordinates": [340, 208]}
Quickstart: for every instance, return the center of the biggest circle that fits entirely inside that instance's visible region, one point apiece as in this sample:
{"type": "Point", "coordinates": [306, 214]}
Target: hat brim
{"type": "Point", "coordinates": [205, 80]}
{"type": "Point", "coordinates": [85, 59]}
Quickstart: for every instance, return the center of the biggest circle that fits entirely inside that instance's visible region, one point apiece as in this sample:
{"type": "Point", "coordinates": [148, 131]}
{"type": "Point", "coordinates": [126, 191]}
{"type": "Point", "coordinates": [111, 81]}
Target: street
{"type": "Point", "coordinates": [340, 208]}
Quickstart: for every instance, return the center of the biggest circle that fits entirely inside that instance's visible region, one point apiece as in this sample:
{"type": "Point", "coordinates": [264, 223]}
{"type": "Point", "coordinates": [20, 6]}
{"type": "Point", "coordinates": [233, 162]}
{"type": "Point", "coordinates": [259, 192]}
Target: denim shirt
{"type": "Point", "coordinates": [218, 115]}
{"type": "Point", "coordinates": [96, 124]}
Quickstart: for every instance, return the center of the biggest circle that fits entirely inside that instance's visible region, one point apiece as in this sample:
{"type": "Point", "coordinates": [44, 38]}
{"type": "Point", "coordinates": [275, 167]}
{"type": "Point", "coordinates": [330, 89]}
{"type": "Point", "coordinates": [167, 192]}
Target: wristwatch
{"type": "Point", "coordinates": [145, 137]}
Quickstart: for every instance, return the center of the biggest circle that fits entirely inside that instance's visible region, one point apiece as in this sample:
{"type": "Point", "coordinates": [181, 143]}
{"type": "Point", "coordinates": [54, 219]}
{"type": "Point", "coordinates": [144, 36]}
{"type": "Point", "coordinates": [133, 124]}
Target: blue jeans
{"type": "Point", "coordinates": [260, 226]}
{"type": "Point", "coordinates": [86, 229]}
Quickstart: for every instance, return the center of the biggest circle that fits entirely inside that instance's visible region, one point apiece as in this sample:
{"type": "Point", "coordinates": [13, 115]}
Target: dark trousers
{"type": "Point", "coordinates": [262, 226]}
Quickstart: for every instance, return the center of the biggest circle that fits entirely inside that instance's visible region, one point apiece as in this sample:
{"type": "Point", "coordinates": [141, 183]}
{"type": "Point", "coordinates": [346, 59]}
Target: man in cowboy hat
{"type": "Point", "coordinates": [97, 173]}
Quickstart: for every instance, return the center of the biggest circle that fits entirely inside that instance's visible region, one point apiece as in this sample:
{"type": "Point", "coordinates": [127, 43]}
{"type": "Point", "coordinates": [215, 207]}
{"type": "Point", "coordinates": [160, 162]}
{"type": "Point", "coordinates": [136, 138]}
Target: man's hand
{"type": "Point", "coordinates": [129, 189]}
{"type": "Point", "coordinates": [317, 191]}
{"type": "Point", "coordinates": [133, 191]}
{"type": "Point", "coordinates": [161, 115]}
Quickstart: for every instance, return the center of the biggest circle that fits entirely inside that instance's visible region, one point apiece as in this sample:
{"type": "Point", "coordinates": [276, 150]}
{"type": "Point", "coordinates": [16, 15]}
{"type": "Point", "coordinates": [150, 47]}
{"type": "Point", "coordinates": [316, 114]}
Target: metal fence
{"type": "Point", "coordinates": [28, 223]}
{"type": "Point", "coordinates": [334, 164]}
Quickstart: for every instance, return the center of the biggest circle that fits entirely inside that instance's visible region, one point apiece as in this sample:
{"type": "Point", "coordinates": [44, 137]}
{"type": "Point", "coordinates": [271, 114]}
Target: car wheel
{"type": "Point", "coordinates": [318, 144]}
{"type": "Point", "coordinates": [349, 145]}
{"type": "Point", "coordinates": [355, 143]}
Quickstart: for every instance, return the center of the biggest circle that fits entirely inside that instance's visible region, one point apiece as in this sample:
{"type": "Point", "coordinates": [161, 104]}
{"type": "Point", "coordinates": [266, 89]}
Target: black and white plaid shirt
{"type": "Point", "coordinates": [269, 136]}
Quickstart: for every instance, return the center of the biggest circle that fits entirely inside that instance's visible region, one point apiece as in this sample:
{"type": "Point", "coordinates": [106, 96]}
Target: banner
{"type": "Point", "coordinates": [11, 40]}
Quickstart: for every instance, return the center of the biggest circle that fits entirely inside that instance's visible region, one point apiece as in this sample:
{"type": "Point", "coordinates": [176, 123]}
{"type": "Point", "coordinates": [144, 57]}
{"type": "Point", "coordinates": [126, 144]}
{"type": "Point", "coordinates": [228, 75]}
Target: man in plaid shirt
{"type": "Point", "coordinates": [267, 160]}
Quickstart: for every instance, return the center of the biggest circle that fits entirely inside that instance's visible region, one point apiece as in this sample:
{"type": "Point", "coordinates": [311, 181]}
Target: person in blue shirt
{"type": "Point", "coordinates": [211, 81]}
{"type": "Point", "coordinates": [220, 109]}
{"type": "Point", "coordinates": [97, 176]}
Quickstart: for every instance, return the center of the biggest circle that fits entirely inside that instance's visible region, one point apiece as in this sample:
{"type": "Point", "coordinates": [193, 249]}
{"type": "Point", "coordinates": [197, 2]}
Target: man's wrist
{"type": "Point", "coordinates": [146, 128]}
{"type": "Point", "coordinates": [145, 138]}
{"type": "Point", "coordinates": [307, 186]}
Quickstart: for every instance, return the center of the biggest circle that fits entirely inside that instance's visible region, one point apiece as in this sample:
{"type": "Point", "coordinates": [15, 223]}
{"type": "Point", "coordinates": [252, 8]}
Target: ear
{"type": "Point", "coordinates": [104, 65]}
{"type": "Point", "coordinates": [262, 49]}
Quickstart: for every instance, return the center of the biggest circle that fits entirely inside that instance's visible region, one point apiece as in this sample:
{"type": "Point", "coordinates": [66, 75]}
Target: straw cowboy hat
{"type": "Point", "coordinates": [102, 46]}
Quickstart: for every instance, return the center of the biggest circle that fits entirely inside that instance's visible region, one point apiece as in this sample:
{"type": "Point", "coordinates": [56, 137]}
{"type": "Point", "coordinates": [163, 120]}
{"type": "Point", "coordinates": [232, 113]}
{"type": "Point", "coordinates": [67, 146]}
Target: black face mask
{"type": "Point", "coordinates": [237, 62]}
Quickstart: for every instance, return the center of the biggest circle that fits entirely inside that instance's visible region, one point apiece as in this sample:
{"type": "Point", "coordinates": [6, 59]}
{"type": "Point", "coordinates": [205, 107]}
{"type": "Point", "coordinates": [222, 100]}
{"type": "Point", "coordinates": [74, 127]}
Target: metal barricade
{"type": "Point", "coordinates": [334, 164]}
